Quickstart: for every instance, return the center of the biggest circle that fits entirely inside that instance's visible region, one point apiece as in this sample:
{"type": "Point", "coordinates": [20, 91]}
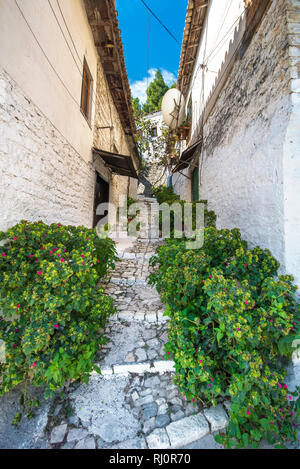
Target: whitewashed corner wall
{"type": "Point", "coordinates": [242, 173]}
{"type": "Point", "coordinates": [250, 161]}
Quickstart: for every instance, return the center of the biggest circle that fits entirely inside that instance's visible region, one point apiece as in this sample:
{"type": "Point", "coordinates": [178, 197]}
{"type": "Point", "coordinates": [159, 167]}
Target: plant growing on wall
{"type": "Point", "coordinates": [53, 315]}
{"type": "Point", "coordinates": [232, 326]}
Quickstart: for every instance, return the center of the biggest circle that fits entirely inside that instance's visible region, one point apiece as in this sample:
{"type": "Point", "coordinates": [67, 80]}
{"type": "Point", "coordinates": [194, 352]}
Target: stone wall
{"type": "Point", "coordinates": [41, 175]}
{"type": "Point", "coordinates": [241, 166]}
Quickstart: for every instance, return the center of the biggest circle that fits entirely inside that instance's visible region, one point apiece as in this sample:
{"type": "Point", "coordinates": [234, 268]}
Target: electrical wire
{"type": "Point", "coordinates": [160, 22]}
{"type": "Point", "coordinates": [45, 55]}
{"type": "Point", "coordinates": [224, 37]}
{"type": "Point", "coordinates": [66, 25]}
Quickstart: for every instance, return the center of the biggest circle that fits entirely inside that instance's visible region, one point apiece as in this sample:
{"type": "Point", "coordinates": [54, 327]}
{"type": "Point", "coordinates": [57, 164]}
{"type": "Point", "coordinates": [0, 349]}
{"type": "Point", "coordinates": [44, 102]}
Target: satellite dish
{"type": "Point", "coordinates": [173, 108]}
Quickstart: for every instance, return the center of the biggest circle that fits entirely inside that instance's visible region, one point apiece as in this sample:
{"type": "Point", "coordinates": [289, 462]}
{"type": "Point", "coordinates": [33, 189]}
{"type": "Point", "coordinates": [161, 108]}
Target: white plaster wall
{"type": "Point", "coordinates": [42, 177]}
{"type": "Point", "coordinates": [22, 58]}
{"type": "Point", "coordinates": [243, 181]}
{"type": "Point", "coordinates": [221, 20]}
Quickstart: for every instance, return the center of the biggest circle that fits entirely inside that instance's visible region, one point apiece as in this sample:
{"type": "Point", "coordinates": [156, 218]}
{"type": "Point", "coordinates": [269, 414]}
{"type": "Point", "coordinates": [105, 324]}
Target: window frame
{"type": "Point", "coordinates": [86, 101]}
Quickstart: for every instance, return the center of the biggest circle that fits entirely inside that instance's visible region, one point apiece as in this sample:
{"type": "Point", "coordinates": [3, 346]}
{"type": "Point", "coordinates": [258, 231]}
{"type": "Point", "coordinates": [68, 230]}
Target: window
{"type": "Point", "coordinates": [86, 92]}
{"type": "Point", "coordinates": [154, 132]}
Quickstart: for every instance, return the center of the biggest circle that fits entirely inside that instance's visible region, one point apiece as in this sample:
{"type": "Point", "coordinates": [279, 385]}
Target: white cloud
{"type": "Point", "coordinates": [139, 87]}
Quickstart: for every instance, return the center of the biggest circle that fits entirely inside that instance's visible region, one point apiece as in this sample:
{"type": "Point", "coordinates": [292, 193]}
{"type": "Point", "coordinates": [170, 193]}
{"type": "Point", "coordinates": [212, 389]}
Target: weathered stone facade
{"type": "Point", "coordinates": [41, 175]}
{"type": "Point", "coordinates": [241, 162]}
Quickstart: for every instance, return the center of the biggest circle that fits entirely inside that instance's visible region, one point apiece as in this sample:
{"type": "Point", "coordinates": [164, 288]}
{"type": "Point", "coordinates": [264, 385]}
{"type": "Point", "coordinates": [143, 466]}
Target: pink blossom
{"type": "Point", "coordinates": [279, 385]}
{"type": "Point", "coordinates": [39, 272]}
{"type": "Point", "coordinates": [18, 306]}
{"type": "Point", "coordinates": [14, 239]}
{"type": "Point", "coordinates": [272, 423]}
{"type": "Point", "coordinates": [31, 256]}
{"type": "Point", "coordinates": [56, 326]}
{"type": "Point", "coordinates": [82, 255]}
{"type": "Point", "coordinates": [44, 235]}
{"type": "Point", "coordinates": [193, 400]}
{"type": "Point", "coordinates": [281, 410]}
{"type": "Point", "coordinates": [212, 379]}
{"type": "Point", "coordinates": [87, 239]}
{"type": "Point", "coordinates": [209, 276]}
{"type": "Point", "coordinates": [58, 224]}
{"type": "Point", "coordinates": [200, 361]}
{"type": "Point", "coordinates": [248, 412]}
{"type": "Point", "coordinates": [98, 261]}
{"type": "Point", "coordinates": [246, 302]}
{"type": "Point", "coordinates": [62, 260]}
{"type": "Point", "coordinates": [168, 353]}
{"type": "Point", "coordinates": [58, 255]}
{"type": "Point", "coordinates": [34, 364]}
{"type": "Point", "coordinates": [285, 386]}
{"type": "Point", "coordinates": [246, 265]}
{"type": "Point", "coordinates": [64, 250]}
{"type": "Point", "coordinates": [3, 254]}
{"type": "Point", "coordinates": [15, 345]}
{"type": "Point", "coordinates": [209, 385]}
{"type": "Point", "coordinates": [292, 413]}
{"type": "Point", "coordinates": [83, 263]}
{"type": "Point", "coordinates": [238, 329]}
{"type": "Point", "coordinates": [223, 434]}
{"type": "Point", "coordinates": [42, 248]}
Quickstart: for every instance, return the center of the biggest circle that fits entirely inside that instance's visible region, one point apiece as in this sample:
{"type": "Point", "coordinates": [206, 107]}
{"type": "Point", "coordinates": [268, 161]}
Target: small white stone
{"type": "Point", "coordinates": [58, 434]}
{"type": "Point", "coordinates": [76, 434]}
{"type": "Point", "coordinates": [158, 439]}
{"type": "Point", "coordinates": [186, 431]}
{"type": "Point", "coordinates": [217, 417]}
{"type": "Point", "coordinates": [164, 366]}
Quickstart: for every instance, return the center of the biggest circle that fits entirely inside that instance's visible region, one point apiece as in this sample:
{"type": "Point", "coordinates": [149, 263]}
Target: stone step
{"type": "Point", "coordinates": [161, 366]}
{"type": "Point", "coordinates": [133, 343]}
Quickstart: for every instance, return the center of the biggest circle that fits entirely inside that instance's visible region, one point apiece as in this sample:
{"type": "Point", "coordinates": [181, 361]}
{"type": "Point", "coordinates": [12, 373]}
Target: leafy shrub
{"type": "Point", "coordinates": [52, 314]}
{"type": "Point", "coordinates": [230, 316]}
{"type": "Point", "coordinates": [167, 195]}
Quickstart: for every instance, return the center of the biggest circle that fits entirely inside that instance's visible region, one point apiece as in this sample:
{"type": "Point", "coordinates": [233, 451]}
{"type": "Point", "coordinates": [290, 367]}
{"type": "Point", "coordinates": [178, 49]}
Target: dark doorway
{"type": "Point", "coordinates": [101, 196]}
{"type": "Point", "coordinates": [195, 184]}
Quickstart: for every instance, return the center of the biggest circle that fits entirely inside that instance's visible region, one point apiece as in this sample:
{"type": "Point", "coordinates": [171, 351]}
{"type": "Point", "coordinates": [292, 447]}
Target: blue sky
{"type": "Point", "coordinates": [164, 51]}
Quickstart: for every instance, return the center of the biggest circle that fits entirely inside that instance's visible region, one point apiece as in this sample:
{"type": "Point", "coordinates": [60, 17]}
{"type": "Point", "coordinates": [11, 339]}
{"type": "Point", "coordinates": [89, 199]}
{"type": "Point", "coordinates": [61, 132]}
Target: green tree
{"type": "Point", "coordinates": [155, 93]}
{"type": "Point", "coordinates": [136, 105]}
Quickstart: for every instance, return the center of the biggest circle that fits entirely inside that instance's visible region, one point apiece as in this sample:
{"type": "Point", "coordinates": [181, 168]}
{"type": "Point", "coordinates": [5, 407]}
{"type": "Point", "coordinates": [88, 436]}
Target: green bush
{"type": "Point", "coordinates": [167, 195]}
{"type": "Point", "coordinates": [231, 321]}
{"type": "Point", "coordinates": [53, 316]}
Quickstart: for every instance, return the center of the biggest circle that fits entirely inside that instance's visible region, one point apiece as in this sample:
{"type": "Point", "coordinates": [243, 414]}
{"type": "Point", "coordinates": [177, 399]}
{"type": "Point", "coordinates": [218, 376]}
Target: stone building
{"type": "Point", "coordinates": [157, 174]}
{"type": "Point", "coordinates": [240, 75]}
{"type": "Point", "coordinates": [66, 119]}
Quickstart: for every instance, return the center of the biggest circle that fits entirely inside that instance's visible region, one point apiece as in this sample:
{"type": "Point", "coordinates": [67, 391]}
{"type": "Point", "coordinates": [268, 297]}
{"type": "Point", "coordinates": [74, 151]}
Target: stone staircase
{"type": "Point", "coordinates": [134, 404]}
